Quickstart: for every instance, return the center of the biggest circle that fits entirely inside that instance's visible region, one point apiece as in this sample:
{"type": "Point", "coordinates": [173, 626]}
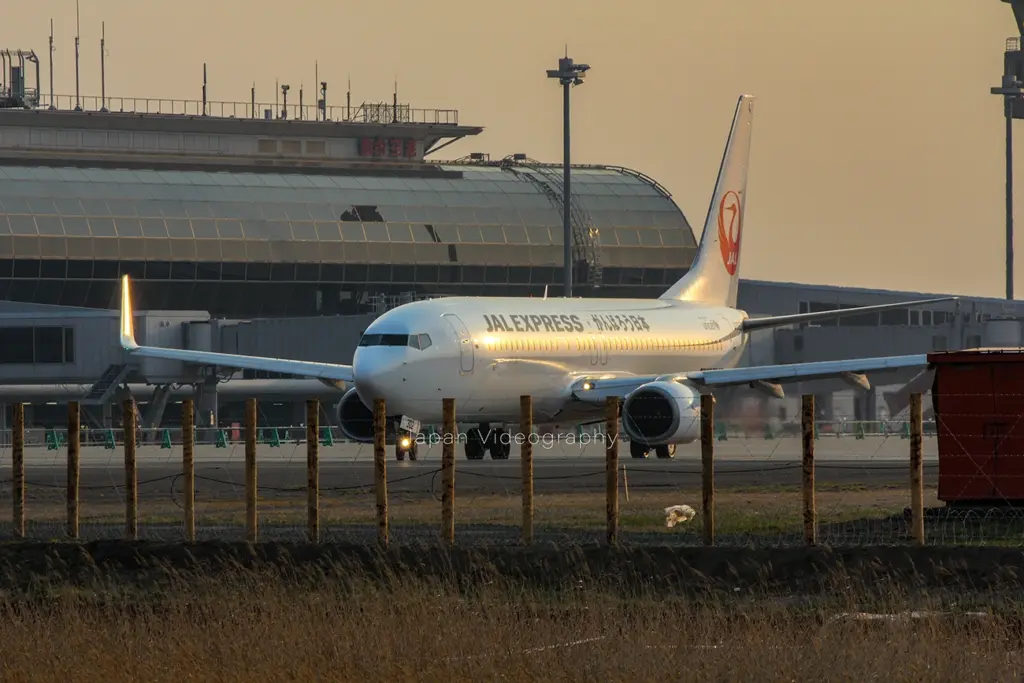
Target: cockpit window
{"type": "Point", "coordinates": [419, 341]}
{"type": "Point", "coordinates": [384, 340]}
{"type": "Point", "coordinates": [416, 341]}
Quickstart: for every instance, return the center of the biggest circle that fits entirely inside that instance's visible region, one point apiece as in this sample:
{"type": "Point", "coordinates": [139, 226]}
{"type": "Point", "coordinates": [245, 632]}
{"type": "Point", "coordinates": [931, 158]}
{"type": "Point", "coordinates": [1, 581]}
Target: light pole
{"type": "Point", "coordinates": [1011, 92]}
{"type": "Point", "coordinates": [568, 74]}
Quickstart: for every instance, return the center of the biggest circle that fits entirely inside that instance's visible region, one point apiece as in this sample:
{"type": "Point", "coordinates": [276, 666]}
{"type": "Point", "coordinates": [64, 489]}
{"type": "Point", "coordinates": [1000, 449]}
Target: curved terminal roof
{"type": "Point", "coordinates": [297, 226]}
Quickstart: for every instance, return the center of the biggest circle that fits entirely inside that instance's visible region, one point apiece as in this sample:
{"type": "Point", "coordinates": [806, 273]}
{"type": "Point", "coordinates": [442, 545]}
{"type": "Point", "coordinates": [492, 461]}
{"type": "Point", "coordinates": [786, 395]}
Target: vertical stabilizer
{"type": "Point", "coordinates": [714, 277]}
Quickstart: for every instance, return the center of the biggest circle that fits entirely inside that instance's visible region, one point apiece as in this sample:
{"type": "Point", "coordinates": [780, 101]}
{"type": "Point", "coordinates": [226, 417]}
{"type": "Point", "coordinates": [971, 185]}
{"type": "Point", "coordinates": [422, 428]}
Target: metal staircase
{"type": "Point", "coordinates": [104, 388]}
{"type": "Point", "coordinates": [586, 238]}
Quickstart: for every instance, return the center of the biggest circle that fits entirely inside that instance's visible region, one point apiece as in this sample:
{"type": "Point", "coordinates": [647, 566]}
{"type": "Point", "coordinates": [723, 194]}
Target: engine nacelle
{"type": "Point", "coordinates": [354, 418]}
{"type": "Point", "coordinates": [660, 413]}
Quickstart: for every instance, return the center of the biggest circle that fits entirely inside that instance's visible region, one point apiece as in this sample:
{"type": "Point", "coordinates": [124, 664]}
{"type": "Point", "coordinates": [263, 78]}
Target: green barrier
{"type": "Point", "coordinates": [222, 439]}
{"type": "Point", "coordinates": [722, 431]}
{"type": "Point", "coordinates": [328, 438]}
{"type": "Point", "coordinates": [166, 443]}
{"type": "Point", "coordinates": [55, 440]}
{"type": "Point", "coordinates": [109, 442]}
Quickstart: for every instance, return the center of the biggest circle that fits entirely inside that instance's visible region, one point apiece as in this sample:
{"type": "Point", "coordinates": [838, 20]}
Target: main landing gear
{"type": "Point", "coordinates": [639, 450]}
{"type": "Point", "coordinates": [481, 439]}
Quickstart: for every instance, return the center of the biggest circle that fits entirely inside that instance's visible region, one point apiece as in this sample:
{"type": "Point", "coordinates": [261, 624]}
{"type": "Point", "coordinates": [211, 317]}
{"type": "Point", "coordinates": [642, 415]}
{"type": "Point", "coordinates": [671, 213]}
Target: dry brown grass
{"type": "Point", "coordinates": [261, 628]}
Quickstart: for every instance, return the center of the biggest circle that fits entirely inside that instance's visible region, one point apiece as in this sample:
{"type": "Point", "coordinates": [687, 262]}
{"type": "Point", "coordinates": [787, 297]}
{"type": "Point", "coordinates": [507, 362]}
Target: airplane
{"type": "Point", "coordinates": [656, 355]}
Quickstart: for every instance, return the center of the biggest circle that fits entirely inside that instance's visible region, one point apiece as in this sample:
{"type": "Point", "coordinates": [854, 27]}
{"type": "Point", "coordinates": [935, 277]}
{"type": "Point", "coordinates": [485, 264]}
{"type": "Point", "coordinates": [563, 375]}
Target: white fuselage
{"type": "Point", "coordinates": [487, 352]}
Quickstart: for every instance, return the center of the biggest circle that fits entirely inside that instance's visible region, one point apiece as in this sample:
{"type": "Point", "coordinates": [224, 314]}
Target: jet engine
{"type": "Point", "coordinates": [660, 413]}
{"type": "Point", "coordinates": [354, 418]}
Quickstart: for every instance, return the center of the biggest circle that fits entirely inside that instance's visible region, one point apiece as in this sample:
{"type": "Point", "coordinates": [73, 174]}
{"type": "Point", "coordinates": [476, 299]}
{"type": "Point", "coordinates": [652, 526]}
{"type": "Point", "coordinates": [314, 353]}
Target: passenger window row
{"type": "Point", "coordinates": [603, 343]}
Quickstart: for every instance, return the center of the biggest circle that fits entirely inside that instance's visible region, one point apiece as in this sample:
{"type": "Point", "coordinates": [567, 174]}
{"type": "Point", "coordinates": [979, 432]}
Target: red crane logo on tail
{"type": "Point", "coordinates": [729, 228]}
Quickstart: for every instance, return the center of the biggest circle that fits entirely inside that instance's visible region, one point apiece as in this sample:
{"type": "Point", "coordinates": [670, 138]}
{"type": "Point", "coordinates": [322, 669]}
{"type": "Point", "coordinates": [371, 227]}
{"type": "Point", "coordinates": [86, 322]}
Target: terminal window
{"type": "Point", "coordinates": [28, 345]}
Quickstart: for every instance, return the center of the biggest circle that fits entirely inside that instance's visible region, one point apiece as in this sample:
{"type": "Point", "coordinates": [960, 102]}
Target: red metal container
{"type": "Point", "coordinates": [978, 398]}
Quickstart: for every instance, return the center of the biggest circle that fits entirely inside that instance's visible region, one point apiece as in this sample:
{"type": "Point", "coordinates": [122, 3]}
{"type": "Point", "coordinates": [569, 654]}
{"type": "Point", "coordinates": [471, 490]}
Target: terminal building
{"type": "Point", "coordinates": [269, 230]}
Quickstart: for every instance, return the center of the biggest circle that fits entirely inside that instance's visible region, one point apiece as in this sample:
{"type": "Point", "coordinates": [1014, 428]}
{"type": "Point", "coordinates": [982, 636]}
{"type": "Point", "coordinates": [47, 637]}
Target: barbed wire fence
{"type": "Point", "coordinates": [861, 488]}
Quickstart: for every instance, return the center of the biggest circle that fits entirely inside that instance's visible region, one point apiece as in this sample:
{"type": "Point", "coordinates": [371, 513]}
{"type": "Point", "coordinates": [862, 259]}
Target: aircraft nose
{"type": "Point", "coordinates": [372, 370]}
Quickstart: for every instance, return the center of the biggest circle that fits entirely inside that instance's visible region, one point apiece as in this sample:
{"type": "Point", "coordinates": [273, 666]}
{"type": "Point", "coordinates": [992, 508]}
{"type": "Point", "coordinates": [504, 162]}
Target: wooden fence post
{"type": "Point", "coordinates": [448, 471]}
{"type": "Point", "coordinates": [131, 513]}
{"type": "Point", "coordinates": [18, 463]}
{"type": "Point", "coordinates": [612, 468]}
{"type": "Point", "coordinates": [380, 469]}
{"type": "Point", "coordinates": [810, 511]}
{"type": "Point", "coordinates": [74, 465]}
{"type": "Point", "coordinates": [313, 470]}
{"type": "Point", "coordinates": [251, 475]}
{"type": "Point", "coordinates": [707, 461]}
{"type": "Point", "coordinates": [188, 466]}
{"type": "Point", "coordinates": [526, 456]}
{"type": "Point", "coordinates": [917, 468]}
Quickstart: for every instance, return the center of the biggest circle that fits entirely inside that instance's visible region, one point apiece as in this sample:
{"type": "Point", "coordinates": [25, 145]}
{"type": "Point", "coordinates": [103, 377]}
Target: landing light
{"type": "Point", "coordinates": [405, 442]}
{"type": "Point", "coordinates": [587, 386]}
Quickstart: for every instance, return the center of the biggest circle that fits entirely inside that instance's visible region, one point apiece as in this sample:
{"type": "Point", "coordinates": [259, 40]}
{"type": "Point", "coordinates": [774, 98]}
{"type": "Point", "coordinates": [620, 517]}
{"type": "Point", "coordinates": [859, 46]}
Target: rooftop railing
{"type": "Point", "coordinates": [366, 112]}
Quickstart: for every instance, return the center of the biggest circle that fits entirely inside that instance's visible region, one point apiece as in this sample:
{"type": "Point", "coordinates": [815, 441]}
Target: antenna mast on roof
{"type": "Point", "coordinates": [348, 100]}
{"type": "Point", "coordinates": [78, 33]}
{"type": "Point", "coordinates": [103, 66]}
{"type": "Point", "coordinates": [53, 48]}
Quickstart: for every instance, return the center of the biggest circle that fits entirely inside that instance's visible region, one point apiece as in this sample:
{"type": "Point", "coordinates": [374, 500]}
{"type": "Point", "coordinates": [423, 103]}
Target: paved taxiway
{"type": "Point", "coordinates": [558, 468]}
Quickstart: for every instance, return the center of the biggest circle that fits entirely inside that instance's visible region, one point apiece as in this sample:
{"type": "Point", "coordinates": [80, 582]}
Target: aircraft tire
{"type": "Point", "coordinates": [665, 452]}
{"type": "Point", "coordinates": [475, 447]}
{"type": "Point", "coordinates": [499, 450]}
{"type": "Point", "coordinates": [638, 450]}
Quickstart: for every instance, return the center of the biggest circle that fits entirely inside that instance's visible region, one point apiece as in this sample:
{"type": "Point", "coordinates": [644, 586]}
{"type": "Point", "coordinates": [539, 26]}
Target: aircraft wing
{"type": "Point", "coordinates": [751, 324]}
{"type": "Point", "coordinates": [327, 371]}
{"type": "Point", "coordinates": [595, 390]}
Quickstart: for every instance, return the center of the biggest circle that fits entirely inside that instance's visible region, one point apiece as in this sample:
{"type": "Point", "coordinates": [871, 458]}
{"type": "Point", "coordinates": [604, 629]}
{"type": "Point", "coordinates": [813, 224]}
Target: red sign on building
{"type": "Point", "coordinates": [390, 147]}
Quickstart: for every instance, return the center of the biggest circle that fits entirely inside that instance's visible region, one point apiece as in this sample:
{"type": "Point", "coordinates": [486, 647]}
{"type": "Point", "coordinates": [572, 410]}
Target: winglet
{"type": "Point", "coordinates": [127, 319]}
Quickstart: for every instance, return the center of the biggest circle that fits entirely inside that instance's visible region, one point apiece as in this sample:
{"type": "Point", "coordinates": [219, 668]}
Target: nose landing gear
{"type": "Point", "coordinates": [405, 445]}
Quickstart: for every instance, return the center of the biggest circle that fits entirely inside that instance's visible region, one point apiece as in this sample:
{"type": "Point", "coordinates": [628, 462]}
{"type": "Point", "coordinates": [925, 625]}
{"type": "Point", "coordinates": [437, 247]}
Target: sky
{"type": "Point", "coordinates": [878, 151]}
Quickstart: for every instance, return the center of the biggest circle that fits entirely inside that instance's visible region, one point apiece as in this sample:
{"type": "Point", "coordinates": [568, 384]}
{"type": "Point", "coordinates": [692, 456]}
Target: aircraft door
{"type": "Point", "coordinates": [465, 342]}
{"type": "Point", "coordinates": [598, 349]}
